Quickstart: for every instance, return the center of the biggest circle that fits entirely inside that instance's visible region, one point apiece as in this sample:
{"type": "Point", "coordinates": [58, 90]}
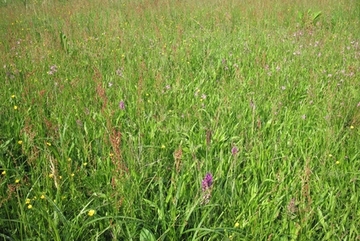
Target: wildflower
{"type": "Point", "coordinates": [119, 72]}
{"type": "Point", "coordinates": [330, 155]}
{"type": "Point", "coordinates": [196, 92]}
{"type": "Point", "coordinates": [352, 127]}
{"type": "Point", "coordinates": [69, 159]}
{"type": "Point", "coordinates": [29, 206]}
{"type": "Point", "coordinates": [337, 162]}
{"type": "Point", "coordinates": [20, 142]}
{"type": "Point", "coordinates": [237, 225]}
{"type": "Point", "coordinates": [110, 84]}
{"type": "Point", "coordinates": [206, 188]}
{"type": "Point", "coordinates": [48, 143]}
{"type": "Point", "coordinates": [163, 146]}
{"type": "Point", "coordinates": [13, 96]}
{"type": "Point", "coordinates": [84, 164]}
{"type": "Point", "coordinates": [122, 105]}
{"type": "Point", "coordinates": [207, 182]}
{"type": "Point", "coordinates": [27, 201]}
{"type": "Point", "coordinates": [3, 173]}
{"type": "Point", "coordinates": [72, 174]}
{"type": "Point", "coordinates": [17, 180]}
{"type": "Point", "coordinates": [42, 196]}
{"type": "Point", "coordinates": [15, 107]}
{"type": "Point", "coordinates": [91, 212]}
{"type": "Point", "coordinates": [51, 175]}
{"type": "Point", "coordinates": [234, 150]}
{"type": "Point", "coordinates": [53, 69]}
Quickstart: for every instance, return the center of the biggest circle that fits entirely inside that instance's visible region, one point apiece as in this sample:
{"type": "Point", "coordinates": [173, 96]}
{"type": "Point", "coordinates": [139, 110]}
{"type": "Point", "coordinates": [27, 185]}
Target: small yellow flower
{"type": "Point", "coordinates": [29, 206]}
{"type": "Point", "coordinates": [42, 196]}
{"type": "Point", "coordinates": [27, 201]}
{"type": "Point", "coordinates": [17, 180]}
{"type": "Point", "coordinates": [20, 142]}
{"type": "Point", "coordinates": [352, 127]}
{"type": "Point", "coordinates": [337, 162]}
{"type": "Point", "coordinates": [237, 225]}
{"type": "Point", "coordinates": [13, 96]}
{"type": "Point", "coordinates": [48, 143]}
{"type": "Point", "coordinates": [72, 174]}
{"type": "Point", "coordinates": [15, 107]}
{"type": "Point", "coordinates": [3, 173]}
{"type": "Point", "coordinates": [330, 155]}
{"type": "Point", "coordinates": [85, 164]}
{"type": "Point", "coordinates": [51, 175]}
{"type": "Point", "coordinates": [111, 154]}
{"type": "Point", "coordinates": [163, 146]}
{"type": "Point", "coordinates": [69, 159]}
{"type": "Point", "coordinates": [91, 212]}
{"type": "Point", "coordinates": [60, 177]}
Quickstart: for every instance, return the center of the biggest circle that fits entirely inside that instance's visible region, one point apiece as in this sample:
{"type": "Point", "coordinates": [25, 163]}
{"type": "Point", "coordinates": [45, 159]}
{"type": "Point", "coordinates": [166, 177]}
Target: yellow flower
{"type": "Point", "coordinates": [15, 107]}
{"type": "Point", "coordinates": [29, 206]}
{"type": "Point", "coordinates": [111, 154]}
{"type": "Point", "coordinates": [17, 180]}
{"type": "Point", "coordinates": [163, 146]}
{"type": "Point", "coordinates": [337, 162]}
{"type": "Point", "coordinates": [20, 142]}
{"type": "Point", "coordinates": [352, 127]}
{"type": "Point", "coordinates": [69, 159]}
{"type": "Point", "coordinates": [48, 143]}
{"type": "Point", "coordinates": [3, 173]}
{"type": "Point", "coordinates": [85, 163]}
{"type": "Point", "coordinates": [72, 174]}
{"type": "Point", "coordinates": [42, 196]}
{"type": "Point", "coordinates": [27, 201]}
{"type": "Point", "coordinates": [51, 175]}
{"type": "Point", "coordinates": [237, 225]}
{"type": "Point", "coordinates": [330, 155]}
{"type": "Point", "coordinates": [91, 212]}
{"type": "Point", "coordinates": [13, 96]}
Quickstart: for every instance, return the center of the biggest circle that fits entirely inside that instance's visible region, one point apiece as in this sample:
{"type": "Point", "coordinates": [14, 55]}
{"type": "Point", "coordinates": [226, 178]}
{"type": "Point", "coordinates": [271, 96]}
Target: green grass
{"type": "Point", "coordinates": [278, 81]}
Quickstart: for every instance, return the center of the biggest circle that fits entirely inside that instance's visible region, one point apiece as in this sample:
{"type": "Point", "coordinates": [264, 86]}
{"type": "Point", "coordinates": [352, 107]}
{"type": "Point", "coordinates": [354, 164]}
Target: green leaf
{"type": "Point", "coordinates": [146, 235]}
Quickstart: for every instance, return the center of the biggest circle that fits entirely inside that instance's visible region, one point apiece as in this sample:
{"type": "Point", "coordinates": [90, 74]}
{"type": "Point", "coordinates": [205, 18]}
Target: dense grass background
{"type": "Point", "coordinates": [112, 112]}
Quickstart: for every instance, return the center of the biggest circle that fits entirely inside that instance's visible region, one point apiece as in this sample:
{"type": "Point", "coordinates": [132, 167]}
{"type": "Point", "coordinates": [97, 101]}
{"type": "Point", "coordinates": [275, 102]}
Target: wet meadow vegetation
{"type": "Point", "coordinates": [179, 120]}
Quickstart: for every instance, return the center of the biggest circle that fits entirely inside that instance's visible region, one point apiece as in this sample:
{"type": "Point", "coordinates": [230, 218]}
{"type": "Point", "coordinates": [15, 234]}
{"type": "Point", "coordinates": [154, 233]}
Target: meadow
{"type": "Point", "coordinates": [179, 120]}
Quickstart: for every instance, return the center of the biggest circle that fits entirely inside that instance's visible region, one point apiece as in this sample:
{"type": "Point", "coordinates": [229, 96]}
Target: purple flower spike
{"type": "Point", "coordinates": [207, 181]}
{"type": "Point", "coordinates": [206, 184]}
{"type": "Point", "coordinates": [122, 105]}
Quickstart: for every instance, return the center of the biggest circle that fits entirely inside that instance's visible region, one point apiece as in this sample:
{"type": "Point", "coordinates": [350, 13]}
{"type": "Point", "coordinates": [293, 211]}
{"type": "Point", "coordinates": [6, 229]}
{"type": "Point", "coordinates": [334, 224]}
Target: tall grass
{"type": "Point", "coordinates": [113, 112]}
